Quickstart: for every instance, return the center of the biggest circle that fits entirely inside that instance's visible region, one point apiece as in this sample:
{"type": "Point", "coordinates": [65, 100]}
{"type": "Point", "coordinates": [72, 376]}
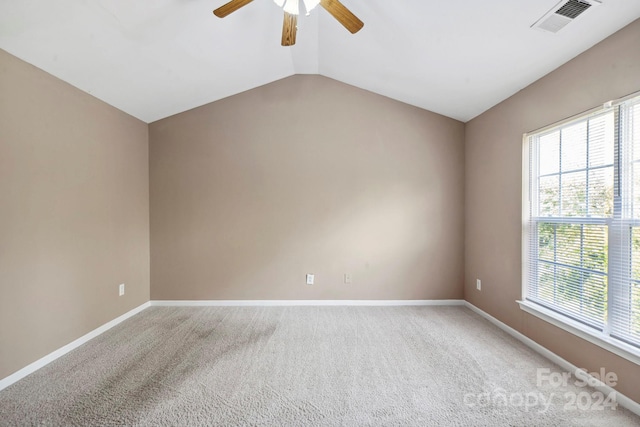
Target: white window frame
{"type": "Point", "coordinates": [579, 329]}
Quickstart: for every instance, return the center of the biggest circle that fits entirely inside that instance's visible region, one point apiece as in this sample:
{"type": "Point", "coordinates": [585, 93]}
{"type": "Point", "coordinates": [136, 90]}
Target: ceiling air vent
{"type": "Point", "coordinates": [563, 13]}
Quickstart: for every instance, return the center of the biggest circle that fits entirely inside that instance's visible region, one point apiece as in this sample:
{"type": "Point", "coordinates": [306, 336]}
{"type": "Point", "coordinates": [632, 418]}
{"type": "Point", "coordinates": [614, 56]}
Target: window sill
{"type": "Point", "coordinates": [615, 346]}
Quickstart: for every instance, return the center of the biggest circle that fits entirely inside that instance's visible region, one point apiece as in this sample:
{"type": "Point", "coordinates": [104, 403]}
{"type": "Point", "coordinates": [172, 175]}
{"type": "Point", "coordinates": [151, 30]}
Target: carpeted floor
{"type": "Point", "coordinates": [302, 366]}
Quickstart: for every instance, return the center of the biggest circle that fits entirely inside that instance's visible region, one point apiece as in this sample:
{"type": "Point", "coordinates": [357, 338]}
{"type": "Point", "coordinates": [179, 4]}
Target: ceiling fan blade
{"type": "Point", "coordinates": [289, 28]}
{"type": "Point", "coordinates": [230, 7]}
{"type": "Point", "coordinates": [343, 15]}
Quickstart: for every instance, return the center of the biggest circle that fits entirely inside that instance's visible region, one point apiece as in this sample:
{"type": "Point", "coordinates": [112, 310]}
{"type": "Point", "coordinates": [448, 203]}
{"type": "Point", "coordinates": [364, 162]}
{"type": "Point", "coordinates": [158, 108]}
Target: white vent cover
{"type": "Point", "coordinates": [563, 13]}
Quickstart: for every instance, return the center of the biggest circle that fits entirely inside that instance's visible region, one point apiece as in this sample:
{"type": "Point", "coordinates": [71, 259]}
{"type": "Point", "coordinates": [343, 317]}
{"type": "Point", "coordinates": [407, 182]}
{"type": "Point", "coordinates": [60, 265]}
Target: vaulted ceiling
{"type": "Point", "coordinates": [156, 58]}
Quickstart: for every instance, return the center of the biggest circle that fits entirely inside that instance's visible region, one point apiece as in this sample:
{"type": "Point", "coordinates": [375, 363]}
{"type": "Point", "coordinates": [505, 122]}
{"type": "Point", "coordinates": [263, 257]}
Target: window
{"type": "Point", "coordinates": [581, 235]}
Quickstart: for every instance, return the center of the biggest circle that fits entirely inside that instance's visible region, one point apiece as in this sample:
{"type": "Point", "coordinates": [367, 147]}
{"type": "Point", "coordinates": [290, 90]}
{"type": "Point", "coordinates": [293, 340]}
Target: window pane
{"type": "Point", "coordinates": [594, 298]}
{"type": "Point", "coordinates": [595, 248]}
{"type": "Point", "coordinates": [567, 287]}
{"type": "Point", "coordinates": [635, 253]}
{"type": "Point", "coordinates": [568, 244]}
{"type": "Point", "coordinates": [549, 196]}
{"type": "Point", "coordinates": [636, 189]}
{"type": "Point", "coordinates": [635, 325]}
{"type": "Point", "coordinates": [634, 131]}
{"type": "Point", "coordinates": [581, 295]}
{"type": "Point", "coordinates": [634, 291]}
{"type": "Point", "coordinates": [632, 126]}
{"type": "Point", "coordinates": [574, 147]}
{"type": "Point", "coordinates": [572, 270]}
{"type": "Point", "coordinates": [546, 241]}
{"type": "Point", "coordinates": [574, 189]}
{"type": "Point", "coordinates": [601, 193]}
{"type": "Point", "coordinates": [601, 140]}
{"type": "Point", "coordinates": [549, 146]}
{"type": "Point", "coordinates": [546, 283]}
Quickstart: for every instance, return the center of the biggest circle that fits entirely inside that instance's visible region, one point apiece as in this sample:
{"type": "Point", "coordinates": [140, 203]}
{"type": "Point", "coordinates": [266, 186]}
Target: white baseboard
{"type": "Point", "coordinates": [6, 382]}
{"type": "Point", "coordinates": [240, 303]}
{"type": "Point", "coordinates": [621, 399]}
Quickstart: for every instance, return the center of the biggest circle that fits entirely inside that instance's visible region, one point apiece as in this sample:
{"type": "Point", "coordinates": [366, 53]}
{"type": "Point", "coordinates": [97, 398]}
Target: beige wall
{"type": "Point", "coordinates": [609, 70]}
{"type": "Point", "coordinates": [249, 193]}
{"type": "Point", "coordinates": [306, 175]}
{"type": "Point", "coordinates": [73, 213]}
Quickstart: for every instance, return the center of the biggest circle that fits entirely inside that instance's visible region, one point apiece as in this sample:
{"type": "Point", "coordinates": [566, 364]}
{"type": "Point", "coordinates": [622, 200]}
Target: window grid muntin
{"type": "Point", "coordinates": [620, 215]}
{"type": "Point", "coordinates": [586, 317]}
{"type": "Point", "coordinates": [560, 173]}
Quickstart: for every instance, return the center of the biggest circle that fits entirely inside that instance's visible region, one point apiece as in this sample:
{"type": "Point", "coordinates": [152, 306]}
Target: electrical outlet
{"type": "Point", "coordinates": [347, 278]}
{"type": "Point", "coordinates": [310, 278]}
{"type": "Point", "coordinates": [121, 289]}
{"type": "Point", "coordinates": [478, 284]}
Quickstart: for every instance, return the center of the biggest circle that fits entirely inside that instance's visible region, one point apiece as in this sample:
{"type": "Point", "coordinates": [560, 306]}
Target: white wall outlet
{"type": "Point", "coordinates": [310, 278]}
{"type": "Point", "coordinates": [121, 289]}
{"type": "Point", "coordinates": [347, 278]}
{"type": "Point", "coordinates": [478, 284]}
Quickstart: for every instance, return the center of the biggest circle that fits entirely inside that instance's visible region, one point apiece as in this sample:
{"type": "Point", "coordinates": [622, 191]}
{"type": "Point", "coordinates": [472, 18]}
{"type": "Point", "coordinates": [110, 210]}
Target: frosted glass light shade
{"type": "Point", "coordinates": [292, 7]}
{"type": "Point", "coordinates": [310, 4]}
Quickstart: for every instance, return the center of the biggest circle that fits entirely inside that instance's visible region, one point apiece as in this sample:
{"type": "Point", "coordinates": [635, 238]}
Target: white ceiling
{"type": "Point", "coordinates": [156, 58]}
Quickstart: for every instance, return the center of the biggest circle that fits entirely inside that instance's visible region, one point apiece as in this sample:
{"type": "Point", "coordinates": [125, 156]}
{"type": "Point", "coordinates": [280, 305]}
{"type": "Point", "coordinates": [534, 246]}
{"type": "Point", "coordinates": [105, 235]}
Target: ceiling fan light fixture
{"type": "Point", "coordinates": [292, 7]}
{"type": "Point", "coordinates": [309, 5]}
{"type": "Point", "coordinates": [292, 10]}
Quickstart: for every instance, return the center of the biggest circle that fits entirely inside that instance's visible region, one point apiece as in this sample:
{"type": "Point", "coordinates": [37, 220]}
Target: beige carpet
{"type": "Point", "coordinates": [300, 366]}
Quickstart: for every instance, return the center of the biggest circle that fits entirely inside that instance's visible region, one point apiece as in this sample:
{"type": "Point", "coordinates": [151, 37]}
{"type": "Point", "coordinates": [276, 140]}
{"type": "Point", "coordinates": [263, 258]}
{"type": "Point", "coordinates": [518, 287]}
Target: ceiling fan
{"type": "Point", "coordinates": [291, 11]}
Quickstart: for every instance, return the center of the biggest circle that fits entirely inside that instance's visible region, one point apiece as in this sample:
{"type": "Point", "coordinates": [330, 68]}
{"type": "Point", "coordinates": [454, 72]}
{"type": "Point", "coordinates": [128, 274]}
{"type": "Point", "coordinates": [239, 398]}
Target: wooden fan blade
{"type": "Point", "coordinates": [230, 7]}
{"type": "Point", "coordinates": [343, 15]}
{"type": "Point", "coordinates": [289, 28]}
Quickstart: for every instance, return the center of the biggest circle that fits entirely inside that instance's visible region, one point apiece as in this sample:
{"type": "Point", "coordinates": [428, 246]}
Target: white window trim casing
{"type": "Point", "coordinates": [613, 345]}
{"type": "Point", "coordinates": [565, 323]}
